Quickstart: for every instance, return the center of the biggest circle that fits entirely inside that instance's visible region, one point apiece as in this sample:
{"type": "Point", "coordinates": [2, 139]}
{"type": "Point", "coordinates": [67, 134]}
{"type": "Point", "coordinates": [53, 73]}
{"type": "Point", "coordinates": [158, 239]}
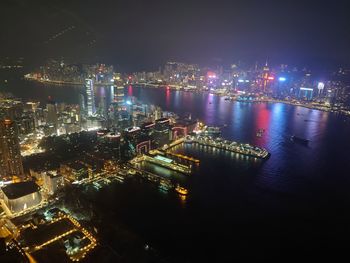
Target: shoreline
{"type": "Point", "coordinates": [61, 83]}
{"type": "Point", "coordinates": [154, 86]}
{"type": "Point", "coordinates": [263, 101]}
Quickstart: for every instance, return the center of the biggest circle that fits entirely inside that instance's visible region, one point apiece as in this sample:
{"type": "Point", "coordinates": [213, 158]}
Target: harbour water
{"type": "Point", "coordinates": [295, 202]}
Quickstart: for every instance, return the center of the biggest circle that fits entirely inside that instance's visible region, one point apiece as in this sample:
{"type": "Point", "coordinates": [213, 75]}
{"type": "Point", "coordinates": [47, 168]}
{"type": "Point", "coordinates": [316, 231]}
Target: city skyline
{"type": "Point", "coordinates": [174, 131]}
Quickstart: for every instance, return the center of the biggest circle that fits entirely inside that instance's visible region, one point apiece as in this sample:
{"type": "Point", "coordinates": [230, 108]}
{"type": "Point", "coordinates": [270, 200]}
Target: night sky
{"type": "Point", "coordinates": [143, 34]}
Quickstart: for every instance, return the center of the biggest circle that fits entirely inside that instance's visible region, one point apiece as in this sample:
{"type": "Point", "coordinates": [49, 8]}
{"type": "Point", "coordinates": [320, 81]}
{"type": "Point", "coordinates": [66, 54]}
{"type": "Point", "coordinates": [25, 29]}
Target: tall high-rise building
{"type": "Point", "coordinates": [51, 113]}
{"type": "Point", "coordinates": [265, 77]}
{"type": "Point", "coordinates": [10, 152]}
{"type": "Point", "coordinates": [320, 87]}
{"type": "Point", "coordinates": [158, 114]}
{"type": "Point", "coordinates": [121, 115]}
{"type": "Point", "coordinates": [90, 97]}
{"type": "Point", "coordinates": [119, 95]}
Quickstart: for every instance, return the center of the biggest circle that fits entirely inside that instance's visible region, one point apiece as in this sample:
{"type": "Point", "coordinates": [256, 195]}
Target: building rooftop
{"type": "Point", "coordinates": [17, 190]}
{"type": "Point", "coordinates": [76, 166]}
{"type": "Point", "coordinates": [45, 232]}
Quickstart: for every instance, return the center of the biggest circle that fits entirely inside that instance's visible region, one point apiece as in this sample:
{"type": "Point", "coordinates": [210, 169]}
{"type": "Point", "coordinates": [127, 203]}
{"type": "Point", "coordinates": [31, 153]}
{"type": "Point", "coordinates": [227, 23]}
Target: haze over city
{"type": "Point", "coordinates": [174, 131]}
{"type": "Point", "coordinates": [139, 35]}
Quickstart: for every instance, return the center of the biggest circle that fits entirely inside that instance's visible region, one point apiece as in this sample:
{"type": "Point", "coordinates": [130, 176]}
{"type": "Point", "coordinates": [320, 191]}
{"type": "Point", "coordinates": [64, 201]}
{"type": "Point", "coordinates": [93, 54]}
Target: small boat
{"type": "Point", "coordinates": [259, 134]}
{"type": "Point", "coordinates": [300, 140]}
{"type": "Point", "coordinates": [181, 190]}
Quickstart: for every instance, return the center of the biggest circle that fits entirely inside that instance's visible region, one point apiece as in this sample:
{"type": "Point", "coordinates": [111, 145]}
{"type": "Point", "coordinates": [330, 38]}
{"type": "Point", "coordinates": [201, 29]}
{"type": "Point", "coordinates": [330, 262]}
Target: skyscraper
{"type": "Point", "coordinates": [90, 97]}
{"type": "Point", "coordinates": [265, 77]}
{"type": "Point", "coordinates": [10, 153]}
{"type": "Point", "coordinates": [119, 95]}
{"type": "Point", "coordinates": [51, 113]}
{"type": "Point", "coordinates": [121, 116]}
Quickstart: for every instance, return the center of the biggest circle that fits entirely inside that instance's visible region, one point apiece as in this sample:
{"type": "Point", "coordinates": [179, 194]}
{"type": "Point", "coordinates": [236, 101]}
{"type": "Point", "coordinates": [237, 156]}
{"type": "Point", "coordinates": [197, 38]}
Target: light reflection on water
{"type": "Point", "coordinates": [236, 198]}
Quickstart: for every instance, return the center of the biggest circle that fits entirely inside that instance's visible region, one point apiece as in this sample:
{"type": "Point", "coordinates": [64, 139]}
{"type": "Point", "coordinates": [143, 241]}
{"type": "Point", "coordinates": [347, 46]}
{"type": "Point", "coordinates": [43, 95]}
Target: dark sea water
{"type": "Point", "coordinates": [294, 205]}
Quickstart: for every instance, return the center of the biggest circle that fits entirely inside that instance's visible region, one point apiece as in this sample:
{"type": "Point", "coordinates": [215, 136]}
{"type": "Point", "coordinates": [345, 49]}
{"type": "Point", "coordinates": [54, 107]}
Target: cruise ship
{"type": "Point", "coordinates": [231, 146]}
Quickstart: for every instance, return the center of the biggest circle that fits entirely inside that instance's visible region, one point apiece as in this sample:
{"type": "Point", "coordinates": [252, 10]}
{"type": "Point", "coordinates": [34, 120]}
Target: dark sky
{"type": "Point", "coordinates": [143, 34]}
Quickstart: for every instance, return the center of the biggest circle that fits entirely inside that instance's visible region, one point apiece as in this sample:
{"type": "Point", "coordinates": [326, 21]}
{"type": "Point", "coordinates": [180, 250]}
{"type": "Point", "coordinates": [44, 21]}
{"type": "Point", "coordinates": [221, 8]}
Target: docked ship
{"type": "Point", "coordinates": [231, 146]}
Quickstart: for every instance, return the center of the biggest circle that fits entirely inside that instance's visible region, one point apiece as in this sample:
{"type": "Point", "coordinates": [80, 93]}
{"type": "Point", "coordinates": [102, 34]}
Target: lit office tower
{"type": "Point", "coordinates": [320, 87]}
{"type": "Point", "coordinates": [51, 113]}
{"type": "Point", "coordinates": [265, 77]}
{"type": "Point", "coordinates": [121, 116]}
{"type": "Point", "coordinates": [306, 93]}
{"type": "Point", "coordinates": [10, 153]}
{"type": "Point", "coordinates": [90, 97]}
{"type": "Point", "coordinates": [119, 95]}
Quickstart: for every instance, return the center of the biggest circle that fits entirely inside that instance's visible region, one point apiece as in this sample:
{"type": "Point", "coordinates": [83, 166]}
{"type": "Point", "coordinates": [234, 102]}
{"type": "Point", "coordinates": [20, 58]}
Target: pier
{"type": "Point", "coordinates": [183, 157]}
{"type": "Point", "coordinates": [173, 144]}
{"type": "Point", "coordinates": [160, 160]}
{"type": "Point", "coordinates": [168, 163]}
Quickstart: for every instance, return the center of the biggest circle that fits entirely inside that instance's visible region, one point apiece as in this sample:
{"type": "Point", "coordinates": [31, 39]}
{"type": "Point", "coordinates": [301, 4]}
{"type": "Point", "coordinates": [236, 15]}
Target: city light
{"type": "Point", "coordinates": [306, 89]}
{"type": "Point", "coordinates": [242, 137]}
{"type": "Point", "coordinates": [282, 79]}
{"type": "Point", "coordinates": [320, 85]}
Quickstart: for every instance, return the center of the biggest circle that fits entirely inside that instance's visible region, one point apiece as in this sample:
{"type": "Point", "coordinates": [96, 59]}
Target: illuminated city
{"type": "Point", "coordinates": [174, 132]}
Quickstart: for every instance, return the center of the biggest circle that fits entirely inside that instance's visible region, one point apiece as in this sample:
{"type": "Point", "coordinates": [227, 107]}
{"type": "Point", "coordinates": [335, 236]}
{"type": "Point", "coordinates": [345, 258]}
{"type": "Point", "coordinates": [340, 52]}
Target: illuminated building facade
{"type": "Point", "coordinates": [266, 78]}
{"type": "Point", "coordinates": [306, 93]}
{"type": "Point", "coordinates": [162, 131]}
{"type": "Point", "coordinates": [10, 153]}
{"type": "Point", "coordinates": [52, 182]}
{"type": "Point", "coordinates": [90, 97]}
{"type": "Point", "coordinates": [119, 95]}
{"type": "Point", "coordinates": [119, 110]}
{"type": "Point", "coordinates": [20, 196]}
{"type": "Point", "coordinates": [74, 171]}
{"type": "Point", "coordinates": [51, 113]}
